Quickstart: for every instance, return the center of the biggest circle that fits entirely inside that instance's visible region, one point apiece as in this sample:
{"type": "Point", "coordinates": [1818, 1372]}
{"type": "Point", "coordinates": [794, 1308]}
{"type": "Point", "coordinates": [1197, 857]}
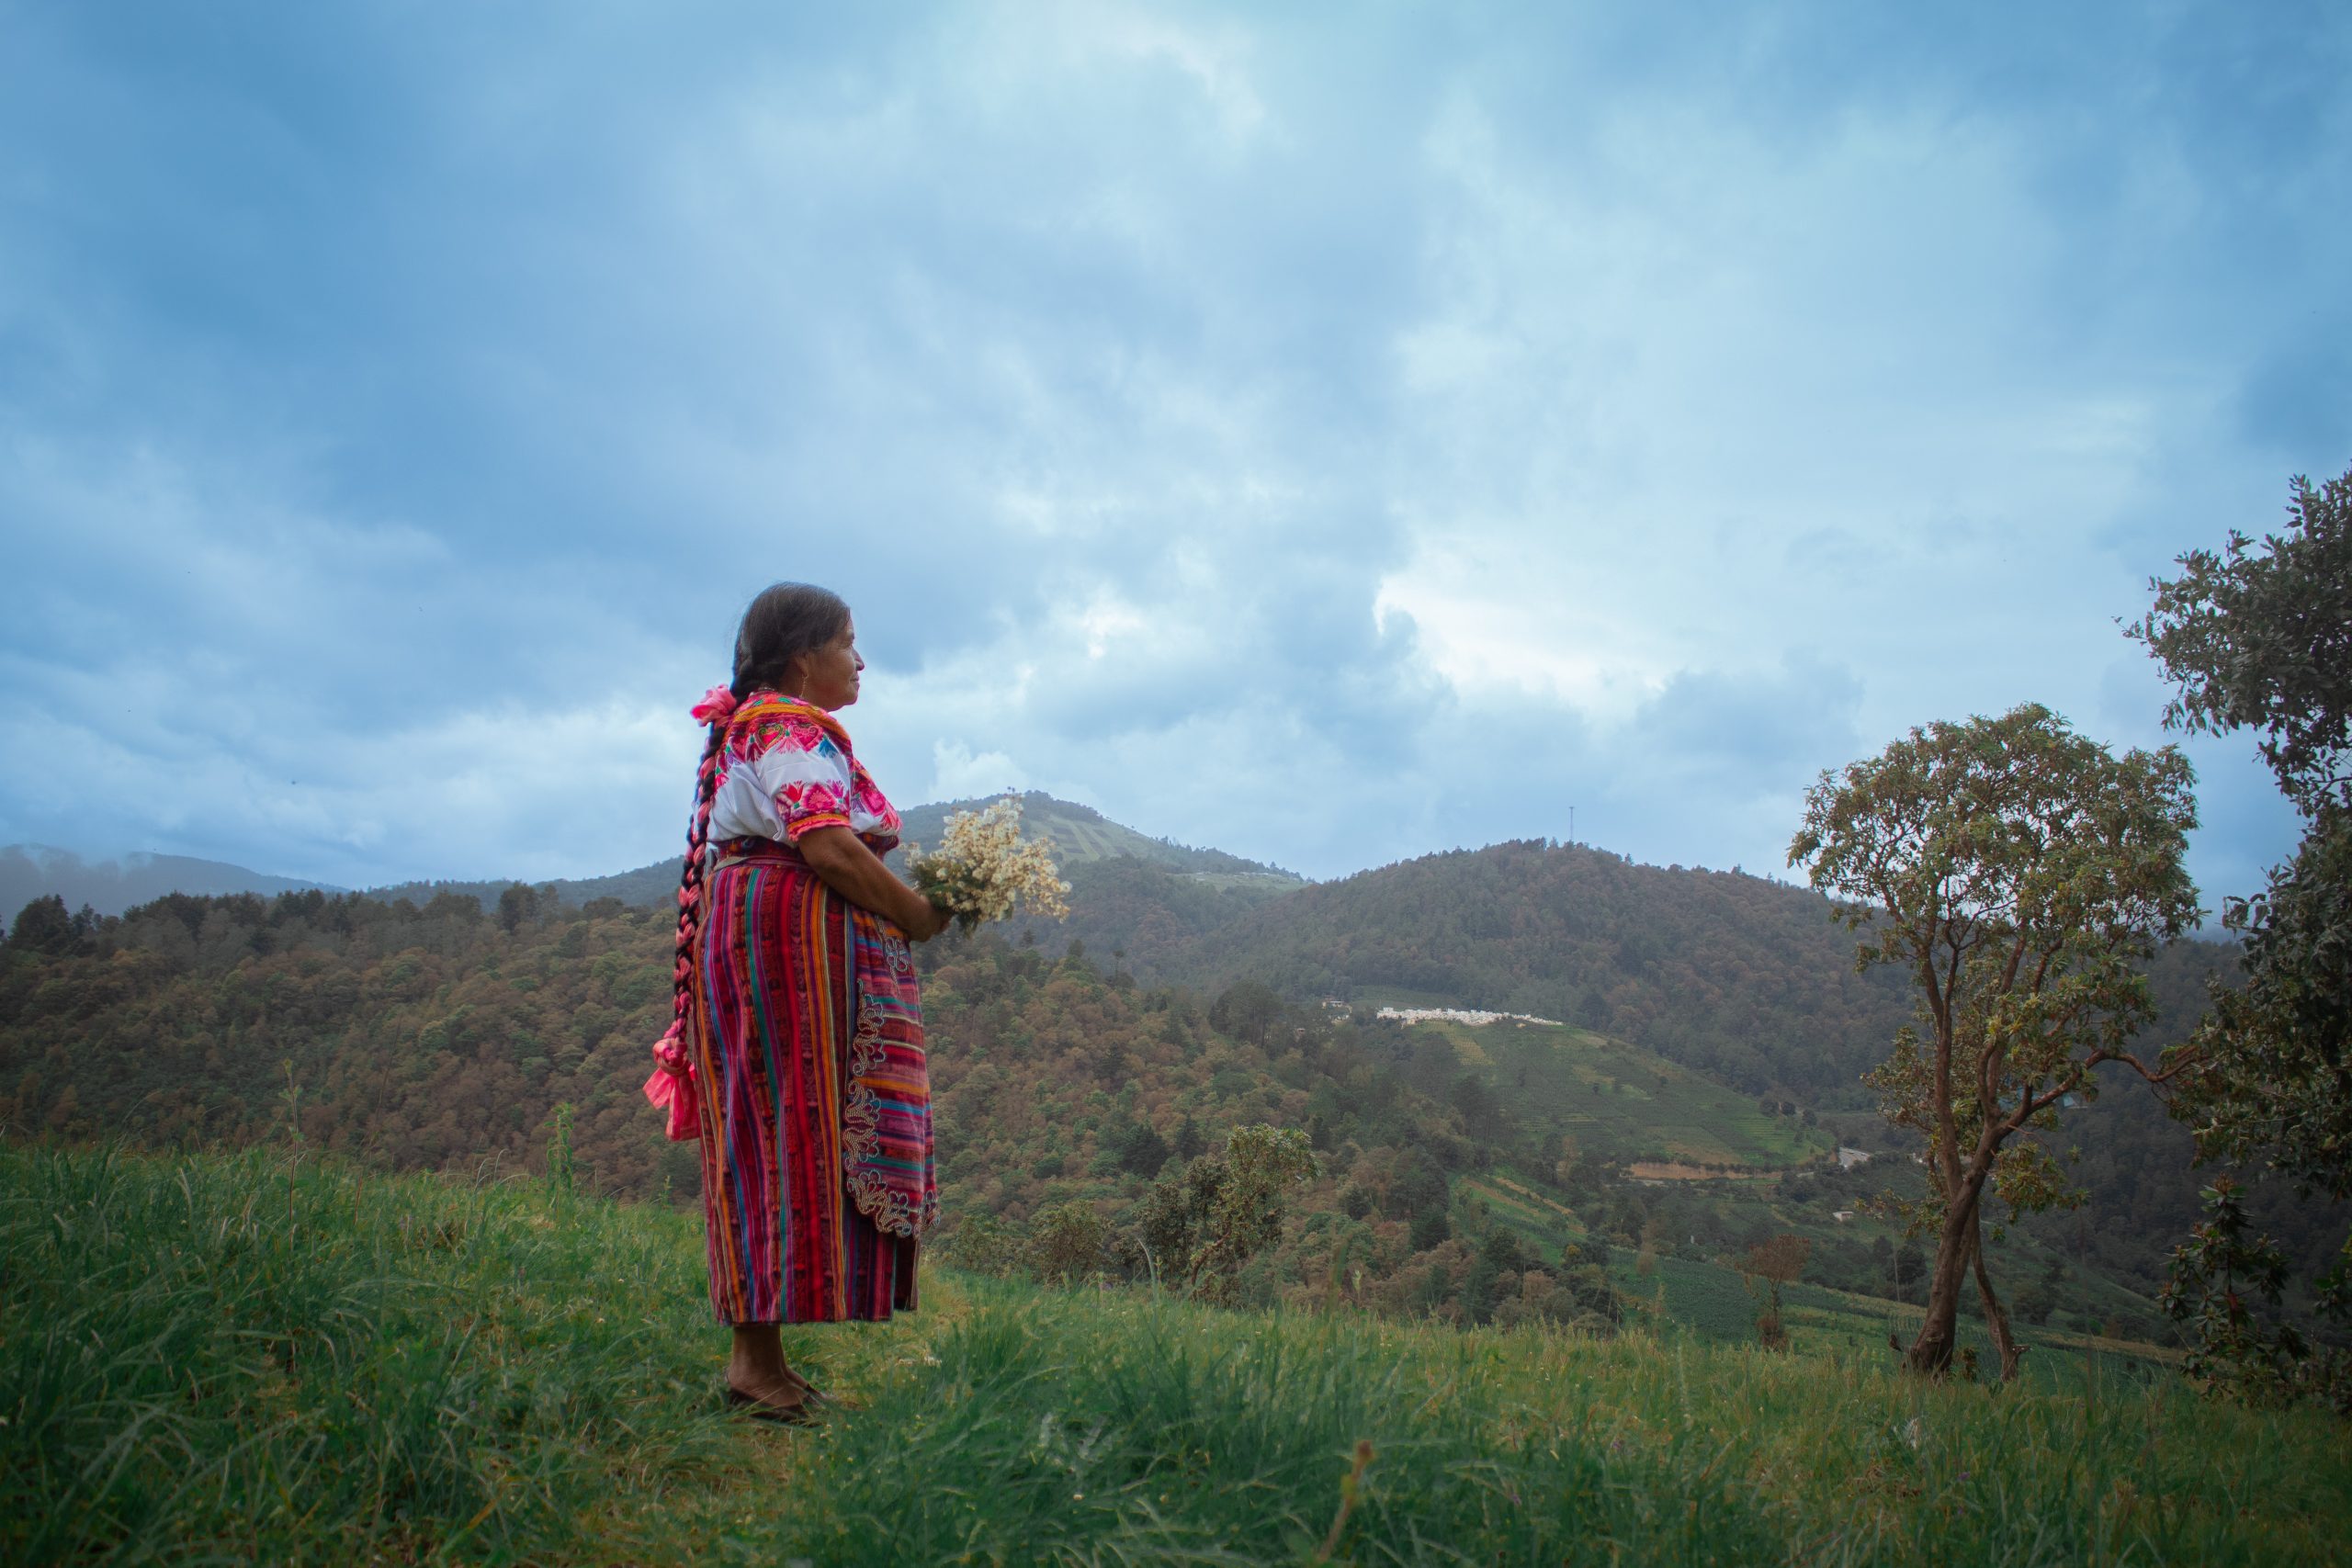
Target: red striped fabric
{"type": "Point", "coordinates": [776, 1046]}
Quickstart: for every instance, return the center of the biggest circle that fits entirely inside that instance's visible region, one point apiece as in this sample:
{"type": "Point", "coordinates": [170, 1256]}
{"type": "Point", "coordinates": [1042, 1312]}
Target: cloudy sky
{"type": "Point", "coordinates": [1328, 432]}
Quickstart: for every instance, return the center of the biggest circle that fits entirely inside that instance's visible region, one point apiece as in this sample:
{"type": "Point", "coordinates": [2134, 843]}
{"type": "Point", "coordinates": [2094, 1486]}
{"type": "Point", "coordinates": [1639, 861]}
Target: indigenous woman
{"type": "Point", "coordinates": [795, 1052]}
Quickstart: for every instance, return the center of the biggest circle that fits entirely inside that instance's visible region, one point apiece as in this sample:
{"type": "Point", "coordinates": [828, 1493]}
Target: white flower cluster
{"type": "Point", "coordinates": [984, 867]}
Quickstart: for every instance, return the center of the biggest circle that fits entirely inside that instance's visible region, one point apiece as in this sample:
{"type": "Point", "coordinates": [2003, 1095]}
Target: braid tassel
{"type": "Point", "coordinates": [673, 1087]}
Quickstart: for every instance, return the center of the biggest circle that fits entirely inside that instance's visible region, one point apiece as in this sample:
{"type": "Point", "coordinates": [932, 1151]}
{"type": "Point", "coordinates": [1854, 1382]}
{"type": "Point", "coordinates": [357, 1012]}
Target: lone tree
{"type": "Point", "coordinates": [2259, 636]}
{"type": "Point", "coordinates": [2020, 873]}
{"type": "Point", "coordinates": [1775, 1262]}
{"type": "Point", "coordinates": [1204, 1225]}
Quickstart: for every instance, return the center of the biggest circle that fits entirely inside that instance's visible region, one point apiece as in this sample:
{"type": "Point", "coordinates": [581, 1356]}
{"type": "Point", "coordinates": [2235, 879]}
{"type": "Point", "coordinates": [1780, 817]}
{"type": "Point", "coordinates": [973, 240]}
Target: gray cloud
{"type": "Point", "coordinates": [1329, 442]}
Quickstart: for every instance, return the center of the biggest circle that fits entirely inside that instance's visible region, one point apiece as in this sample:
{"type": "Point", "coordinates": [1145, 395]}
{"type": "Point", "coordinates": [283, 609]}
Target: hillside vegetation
{"type": "Point", "coordinates": [1623, 1105]}
{"type": "Point", "coordinates": [273, 1358]}
{"type": "Point", "coordinates": [442, 1037]}
{"type": "Point", "coordinates": [1742, 978]}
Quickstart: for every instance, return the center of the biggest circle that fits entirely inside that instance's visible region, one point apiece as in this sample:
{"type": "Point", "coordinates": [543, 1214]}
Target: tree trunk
{"type": "Point", "coordinates": [1931, 1354]}
{"type": "Point", "coordinates": [1995, 1317]}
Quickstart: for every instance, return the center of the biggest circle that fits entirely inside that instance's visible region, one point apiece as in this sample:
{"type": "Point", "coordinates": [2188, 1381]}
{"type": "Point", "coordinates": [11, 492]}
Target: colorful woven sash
{"type": "Point", "coordinates": [886, 1116]}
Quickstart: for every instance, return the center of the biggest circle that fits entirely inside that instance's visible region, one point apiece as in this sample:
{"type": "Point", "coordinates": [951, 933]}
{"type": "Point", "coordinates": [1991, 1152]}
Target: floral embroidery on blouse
{"type": "Point", "coordinates": [788, 773]}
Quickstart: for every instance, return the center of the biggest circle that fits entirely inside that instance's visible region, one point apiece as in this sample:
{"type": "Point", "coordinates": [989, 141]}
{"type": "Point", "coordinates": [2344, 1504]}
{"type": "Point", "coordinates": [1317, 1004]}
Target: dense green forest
{"type": "Point", "coordinates": [1460, 1172]}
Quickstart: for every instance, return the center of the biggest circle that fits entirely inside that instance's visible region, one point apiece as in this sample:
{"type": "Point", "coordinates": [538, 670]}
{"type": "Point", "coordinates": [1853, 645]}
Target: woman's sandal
{"type": "Point", "coordinates": [802, 1414]}
{"type": "Point", "coordinates": [818, 1398]}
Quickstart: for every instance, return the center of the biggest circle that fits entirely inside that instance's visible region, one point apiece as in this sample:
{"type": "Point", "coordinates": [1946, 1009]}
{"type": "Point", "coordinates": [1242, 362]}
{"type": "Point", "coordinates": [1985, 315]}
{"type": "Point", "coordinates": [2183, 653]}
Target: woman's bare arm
{"type": "Point", "coordinates": [858, 875]}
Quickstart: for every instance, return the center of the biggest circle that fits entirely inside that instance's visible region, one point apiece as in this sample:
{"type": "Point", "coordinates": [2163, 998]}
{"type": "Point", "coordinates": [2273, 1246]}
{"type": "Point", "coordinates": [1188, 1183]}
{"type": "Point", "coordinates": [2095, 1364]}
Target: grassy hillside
{"type": "Point", "coordinates": [265, 1358]}
{"type": "Point", "coordinates": [1622, 1104]}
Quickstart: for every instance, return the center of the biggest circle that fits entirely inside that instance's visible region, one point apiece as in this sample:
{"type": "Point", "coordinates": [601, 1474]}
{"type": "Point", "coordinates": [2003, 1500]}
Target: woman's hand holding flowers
{"type": "Point", "coordinates": [924, 929]}
{"type": "Point", "coordinates": [983, 868]}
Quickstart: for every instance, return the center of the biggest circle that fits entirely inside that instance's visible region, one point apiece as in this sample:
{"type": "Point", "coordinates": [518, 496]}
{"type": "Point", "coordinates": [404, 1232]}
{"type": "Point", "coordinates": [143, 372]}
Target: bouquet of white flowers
{"type": "Point", "coordinates": [984, 866]}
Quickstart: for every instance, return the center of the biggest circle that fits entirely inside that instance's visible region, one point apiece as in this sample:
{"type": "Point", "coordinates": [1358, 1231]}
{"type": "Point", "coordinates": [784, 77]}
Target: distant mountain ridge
{"type": "Point", "coordinates": [36, 870]}
{"type": "Point", "coordinates": [1739, 977]}
{"type": "Point", "coordinates": [1081, 835]}
{"type": "Point", "coordinates": [645, 886]}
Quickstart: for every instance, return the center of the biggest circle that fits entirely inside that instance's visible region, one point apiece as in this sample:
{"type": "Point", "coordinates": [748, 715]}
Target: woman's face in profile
{"type": "Point", "coordinates": [831, 672]}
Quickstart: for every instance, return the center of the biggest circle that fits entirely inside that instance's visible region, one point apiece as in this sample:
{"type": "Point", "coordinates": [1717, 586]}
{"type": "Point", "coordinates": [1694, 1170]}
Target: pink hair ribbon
{"type": "Point", "coordinates": [673, 1088]}
{"type": "Point", "coordinates": [717, 705]}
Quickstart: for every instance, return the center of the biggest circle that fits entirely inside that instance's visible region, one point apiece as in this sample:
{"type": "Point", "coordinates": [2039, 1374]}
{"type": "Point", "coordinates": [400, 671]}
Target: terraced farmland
{"type": "Point", "coordinates": [1622, 1104]}
{"type": "Point", "coordinates": [1522, 1207]}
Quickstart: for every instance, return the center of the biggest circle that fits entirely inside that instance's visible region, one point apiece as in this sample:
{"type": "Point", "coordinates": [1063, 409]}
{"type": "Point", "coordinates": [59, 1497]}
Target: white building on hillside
{"type": "Point", "coordinates": [1472, 1016]}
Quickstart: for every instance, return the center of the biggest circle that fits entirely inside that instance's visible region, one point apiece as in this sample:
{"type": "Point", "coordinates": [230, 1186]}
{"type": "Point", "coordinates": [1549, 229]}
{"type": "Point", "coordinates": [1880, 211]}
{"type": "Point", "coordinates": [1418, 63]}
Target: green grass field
{"type": "Point", "coordinates": [1622, 1103]}
{"type": "Point", "coordinates": [265, 1358]}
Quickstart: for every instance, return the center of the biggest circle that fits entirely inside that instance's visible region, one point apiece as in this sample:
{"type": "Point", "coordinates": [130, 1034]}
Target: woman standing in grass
{"type": "Point", "coordinates": [796, 1051]}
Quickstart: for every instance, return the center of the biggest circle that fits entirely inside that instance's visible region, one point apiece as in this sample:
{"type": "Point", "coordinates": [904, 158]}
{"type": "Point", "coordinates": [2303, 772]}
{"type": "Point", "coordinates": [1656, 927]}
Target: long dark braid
{"type": "Point", "coordinates": [787, 620]}
{"type": "Point", "coordinates": [690, 877]}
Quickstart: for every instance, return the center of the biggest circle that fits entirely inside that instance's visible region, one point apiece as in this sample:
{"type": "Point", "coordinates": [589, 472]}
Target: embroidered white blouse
{"type": "Point", "coordinates": [786, 775]}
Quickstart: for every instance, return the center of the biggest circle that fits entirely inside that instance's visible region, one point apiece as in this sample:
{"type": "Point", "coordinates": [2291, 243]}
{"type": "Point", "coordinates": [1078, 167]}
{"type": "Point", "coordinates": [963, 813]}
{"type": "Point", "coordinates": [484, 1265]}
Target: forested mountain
{"type": "Point", "coordinates": [445, 1037]}
{"type": "Point", "coordinates": [1740, 977]}
{"type": "Point", "coordinates": [110, 886]}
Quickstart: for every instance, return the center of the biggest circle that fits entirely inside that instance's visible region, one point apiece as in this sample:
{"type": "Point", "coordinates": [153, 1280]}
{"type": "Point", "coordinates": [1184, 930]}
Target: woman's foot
{"type": "Point", "coordinates": [775, 1400]}
{"type": "Point", "coordinates": [757, 1375]}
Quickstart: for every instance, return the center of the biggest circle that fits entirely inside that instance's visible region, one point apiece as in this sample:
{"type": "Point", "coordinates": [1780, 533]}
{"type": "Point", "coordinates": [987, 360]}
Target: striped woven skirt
{"type": "Point", "coordinates": [782, 1065]}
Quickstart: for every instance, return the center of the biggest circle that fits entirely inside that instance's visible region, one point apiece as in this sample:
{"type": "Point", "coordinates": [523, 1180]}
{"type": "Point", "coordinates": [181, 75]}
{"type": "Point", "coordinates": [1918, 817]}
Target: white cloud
{"type": "Point", "coordinates": [957, 773]}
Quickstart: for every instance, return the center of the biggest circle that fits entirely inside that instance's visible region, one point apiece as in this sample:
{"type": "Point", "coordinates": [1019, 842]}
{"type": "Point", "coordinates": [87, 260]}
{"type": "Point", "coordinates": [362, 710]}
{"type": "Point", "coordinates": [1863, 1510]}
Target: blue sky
{"type": "Point", "coordinates": [1331, 434]}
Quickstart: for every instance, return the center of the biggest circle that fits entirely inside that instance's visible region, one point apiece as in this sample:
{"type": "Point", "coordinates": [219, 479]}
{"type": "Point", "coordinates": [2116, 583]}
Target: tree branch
{"type": "Point", "coordinates": [2157, 1076]}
